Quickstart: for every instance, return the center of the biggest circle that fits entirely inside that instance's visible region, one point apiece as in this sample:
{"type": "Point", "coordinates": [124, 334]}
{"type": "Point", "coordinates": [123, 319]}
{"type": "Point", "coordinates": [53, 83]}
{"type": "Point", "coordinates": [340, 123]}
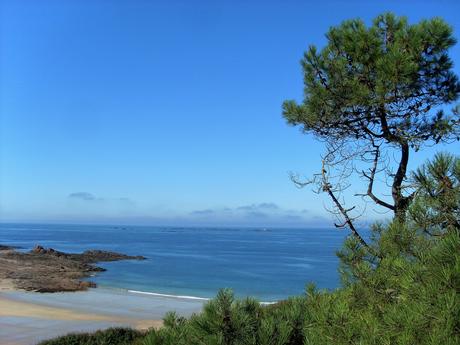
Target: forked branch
{"type": "Point", "coordinates": [326, 186]}
{"type": "Point", "coordinates": [371, 178]}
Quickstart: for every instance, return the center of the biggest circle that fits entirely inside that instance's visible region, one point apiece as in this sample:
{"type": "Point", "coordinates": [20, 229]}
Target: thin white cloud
{"type": "Point", "coordinates": [82, 196]}
{"type": "Point", "coordinates": [264, 214]}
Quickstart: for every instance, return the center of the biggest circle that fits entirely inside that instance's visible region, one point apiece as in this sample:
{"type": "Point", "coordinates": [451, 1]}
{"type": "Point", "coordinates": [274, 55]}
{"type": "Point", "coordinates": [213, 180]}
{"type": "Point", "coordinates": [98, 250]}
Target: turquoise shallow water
{"type": "Point", "coordinates": [269, 264]}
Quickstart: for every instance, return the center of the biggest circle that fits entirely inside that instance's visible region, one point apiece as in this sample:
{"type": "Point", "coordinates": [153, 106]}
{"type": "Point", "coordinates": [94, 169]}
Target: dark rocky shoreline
{"type": "Point", "coordinates": [48, 270]}
{"type": "Point", "coordinates": [2, 247]}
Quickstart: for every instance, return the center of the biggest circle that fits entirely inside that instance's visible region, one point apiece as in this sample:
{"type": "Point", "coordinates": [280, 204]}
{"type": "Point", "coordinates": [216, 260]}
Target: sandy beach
{"type": "Point", "coordinates": [27, 317]}
{"type": "Point", "coordinates": [43, 295]}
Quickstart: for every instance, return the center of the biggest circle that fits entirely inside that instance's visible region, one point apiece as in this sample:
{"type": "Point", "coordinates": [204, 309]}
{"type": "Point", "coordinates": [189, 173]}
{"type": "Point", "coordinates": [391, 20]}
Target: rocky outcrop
{"type": "Point", "coordinates": [100, 255]}
{"type": "Point", "coordinates": [3, 247]}
{"type": "Point", "coordinates": [89, 256]}
{"type": "Point", "coordinates": [48, 270]}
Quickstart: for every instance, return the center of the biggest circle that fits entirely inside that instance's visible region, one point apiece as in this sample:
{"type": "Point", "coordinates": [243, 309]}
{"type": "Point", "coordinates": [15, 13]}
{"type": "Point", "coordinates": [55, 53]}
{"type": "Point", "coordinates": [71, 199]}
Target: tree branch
{"type": "Point", "coordinates": [348, 220]}
{"type": "Point", "coordinates": [371, 178]}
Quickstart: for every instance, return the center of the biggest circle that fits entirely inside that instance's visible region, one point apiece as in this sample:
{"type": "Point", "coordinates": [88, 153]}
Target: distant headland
{"type": "Point", "coordinates": [48, 270]}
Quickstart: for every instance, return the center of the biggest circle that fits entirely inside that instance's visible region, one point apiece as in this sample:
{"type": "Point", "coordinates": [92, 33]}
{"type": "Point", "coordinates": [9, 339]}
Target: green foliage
{"type": "Point", "coordinates": [387, 81]}
{"type": "Point", "coordinates": [111, 336]}
{"type": "Point", "coordinates": [377, 88]}
{"type": "Point", "coordinates": [437, 203]}
{"type": "Point", "coordinates": [226, 321]}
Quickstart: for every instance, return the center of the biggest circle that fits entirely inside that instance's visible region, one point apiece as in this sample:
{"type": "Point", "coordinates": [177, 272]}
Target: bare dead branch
{"type": "Point", "coordinates": [345, 212]}
{"type": "Point", "coordinates": [371, 178]}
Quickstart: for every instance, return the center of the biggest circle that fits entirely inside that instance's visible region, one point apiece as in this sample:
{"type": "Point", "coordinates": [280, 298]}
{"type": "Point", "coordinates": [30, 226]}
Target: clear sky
{"type": "Point", "coordinates": [165, 112]}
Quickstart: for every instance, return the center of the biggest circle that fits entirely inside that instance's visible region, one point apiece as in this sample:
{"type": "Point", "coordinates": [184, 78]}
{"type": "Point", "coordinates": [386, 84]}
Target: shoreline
{"type": "Point", "coordinates": [13, 308]}
{"type": "Point", "coordinates": [29, 317]}
{"type": "Point", "coordinates": [49, 270]}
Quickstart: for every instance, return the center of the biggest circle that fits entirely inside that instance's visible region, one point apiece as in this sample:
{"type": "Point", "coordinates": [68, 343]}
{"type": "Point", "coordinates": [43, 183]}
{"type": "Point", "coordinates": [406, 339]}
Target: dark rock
{"type": "Point", "coordinates": [3, 247]}
{"type": "Point", "coordinates": [46, 251]}
{"type": "Point", "coordinates": [86, 284]}
{"type": "Point", "coordinates": [101, 255]}
{"type": "Point", "coordinates": [48, 270]}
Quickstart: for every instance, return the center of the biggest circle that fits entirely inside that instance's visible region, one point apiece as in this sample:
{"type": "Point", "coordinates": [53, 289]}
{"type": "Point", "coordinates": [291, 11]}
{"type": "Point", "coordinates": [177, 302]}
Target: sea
{"type": "Point", "coordinates": [268, 264]}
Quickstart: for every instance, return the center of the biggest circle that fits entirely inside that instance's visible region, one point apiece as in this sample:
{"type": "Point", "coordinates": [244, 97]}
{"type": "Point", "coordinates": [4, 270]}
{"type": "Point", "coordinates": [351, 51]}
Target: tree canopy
{"type": "Point", "coordinates": [383, 85]}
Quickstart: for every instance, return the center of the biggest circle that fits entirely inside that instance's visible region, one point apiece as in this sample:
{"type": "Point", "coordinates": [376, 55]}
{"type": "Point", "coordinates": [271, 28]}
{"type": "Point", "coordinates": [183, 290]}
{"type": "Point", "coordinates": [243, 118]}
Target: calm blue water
{"type": "Point", "coordinates": [269, 264]}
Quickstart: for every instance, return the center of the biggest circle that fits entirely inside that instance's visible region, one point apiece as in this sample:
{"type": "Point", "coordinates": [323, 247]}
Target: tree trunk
{"type": "Point", "coordinates": [400, 201]}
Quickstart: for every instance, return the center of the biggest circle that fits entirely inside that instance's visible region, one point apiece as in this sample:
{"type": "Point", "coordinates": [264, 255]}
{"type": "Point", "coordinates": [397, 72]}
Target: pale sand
{"type": "Point", "coordinates": [27, 318]}
{"type": "Point", "coordinates": [11, 308]}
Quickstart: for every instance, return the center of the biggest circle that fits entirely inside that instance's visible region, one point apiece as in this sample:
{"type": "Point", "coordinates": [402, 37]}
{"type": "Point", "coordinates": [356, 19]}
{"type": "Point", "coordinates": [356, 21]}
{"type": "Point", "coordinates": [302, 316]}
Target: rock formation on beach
{"type": "Point", "coordinates": [48, 270]}
{"type": "Point", "coordinates": [3, 247]}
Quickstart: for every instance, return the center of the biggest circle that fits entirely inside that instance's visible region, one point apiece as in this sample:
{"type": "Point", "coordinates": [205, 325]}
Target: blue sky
{"type": "Point", "coordinates": [165, 112]}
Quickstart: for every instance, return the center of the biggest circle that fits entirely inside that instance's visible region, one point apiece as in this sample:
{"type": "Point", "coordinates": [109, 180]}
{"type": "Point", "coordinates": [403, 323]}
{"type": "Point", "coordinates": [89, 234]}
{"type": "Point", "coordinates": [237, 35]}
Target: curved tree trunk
{"type": "Point", "coordinates": [401, 202]}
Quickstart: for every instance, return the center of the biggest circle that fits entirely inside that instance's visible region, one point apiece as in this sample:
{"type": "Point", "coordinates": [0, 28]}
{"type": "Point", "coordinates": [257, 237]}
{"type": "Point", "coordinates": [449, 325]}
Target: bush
{"type": "Point", "coordinates": [111, 336]}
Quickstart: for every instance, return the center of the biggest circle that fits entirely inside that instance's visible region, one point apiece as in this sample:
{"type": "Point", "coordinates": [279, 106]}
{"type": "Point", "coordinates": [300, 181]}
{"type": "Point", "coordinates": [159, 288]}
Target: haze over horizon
{"type": "Point", "coordinates": [166, 113]}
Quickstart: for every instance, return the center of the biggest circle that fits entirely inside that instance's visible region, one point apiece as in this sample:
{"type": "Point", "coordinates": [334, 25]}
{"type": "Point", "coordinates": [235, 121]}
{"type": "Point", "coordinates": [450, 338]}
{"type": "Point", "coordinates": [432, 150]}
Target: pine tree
{"type": "Point", "coordinates": [378, 88]}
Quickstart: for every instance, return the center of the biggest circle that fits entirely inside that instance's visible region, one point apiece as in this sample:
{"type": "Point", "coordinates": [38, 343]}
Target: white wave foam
{"type": "Point", "coordinates": [180, 297]}
{"type": "Point", "coordinates": [169, 296]}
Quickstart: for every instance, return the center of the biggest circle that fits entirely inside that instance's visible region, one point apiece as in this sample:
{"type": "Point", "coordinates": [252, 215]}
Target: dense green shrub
{"type": "Point", "coordinates": [110, 336]}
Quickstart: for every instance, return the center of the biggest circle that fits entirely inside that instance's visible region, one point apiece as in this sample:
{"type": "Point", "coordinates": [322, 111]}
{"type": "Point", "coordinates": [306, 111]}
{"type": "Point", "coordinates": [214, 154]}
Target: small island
{"type": "Point", "coordinates": [48, 270]}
